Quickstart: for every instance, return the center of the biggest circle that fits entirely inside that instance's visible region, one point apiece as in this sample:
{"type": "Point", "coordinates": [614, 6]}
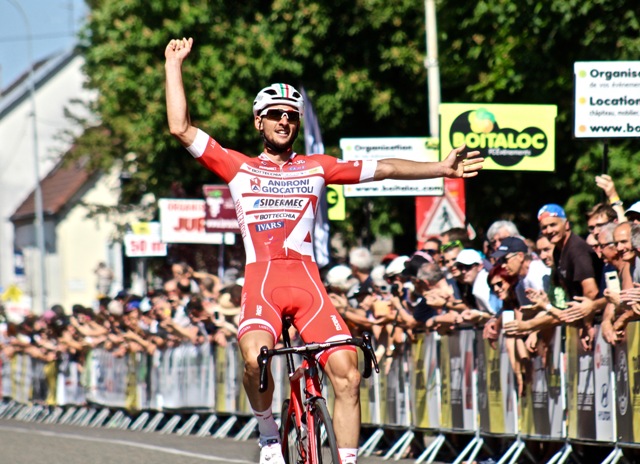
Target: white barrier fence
{"type": "Point", "coordinates": [442, 385]}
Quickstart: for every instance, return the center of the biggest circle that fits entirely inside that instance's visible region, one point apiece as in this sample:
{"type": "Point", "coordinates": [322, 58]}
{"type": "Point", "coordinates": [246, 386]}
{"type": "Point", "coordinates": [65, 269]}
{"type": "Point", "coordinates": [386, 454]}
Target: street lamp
{"type": "Point", "coordinates": [38, 222]}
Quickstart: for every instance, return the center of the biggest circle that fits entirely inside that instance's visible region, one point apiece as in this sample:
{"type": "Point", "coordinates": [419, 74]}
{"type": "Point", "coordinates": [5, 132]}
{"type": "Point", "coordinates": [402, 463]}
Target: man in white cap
{"type": "Point", "coordinates": [633, 213]}
{"type": "Point", "coordinates": [470, 264]}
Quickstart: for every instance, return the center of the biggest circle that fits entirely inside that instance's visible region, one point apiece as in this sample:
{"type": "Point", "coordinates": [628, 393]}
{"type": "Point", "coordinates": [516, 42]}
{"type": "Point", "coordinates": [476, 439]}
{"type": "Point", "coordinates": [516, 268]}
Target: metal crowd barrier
{"type": "Point", "coordinates": [442, 386]}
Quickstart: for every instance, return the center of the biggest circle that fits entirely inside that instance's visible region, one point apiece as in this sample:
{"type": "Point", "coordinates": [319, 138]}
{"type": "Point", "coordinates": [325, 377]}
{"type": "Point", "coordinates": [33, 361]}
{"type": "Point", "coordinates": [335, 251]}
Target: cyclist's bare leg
{"type": "Point", "coordinates": [250, 345]}
{"type": "Point", "coordinates": [342, 369]}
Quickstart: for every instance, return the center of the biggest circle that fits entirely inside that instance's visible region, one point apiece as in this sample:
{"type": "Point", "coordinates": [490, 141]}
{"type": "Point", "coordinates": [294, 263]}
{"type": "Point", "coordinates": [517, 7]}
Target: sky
{"type": "Point", "coordinates": [54, 27]}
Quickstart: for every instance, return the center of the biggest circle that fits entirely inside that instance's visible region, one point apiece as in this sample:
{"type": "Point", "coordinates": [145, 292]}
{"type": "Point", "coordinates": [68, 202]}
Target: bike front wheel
{"type": "Point", "coordinates": [323, 446]}
{"type": "Point", "coordinates": [293, 446]}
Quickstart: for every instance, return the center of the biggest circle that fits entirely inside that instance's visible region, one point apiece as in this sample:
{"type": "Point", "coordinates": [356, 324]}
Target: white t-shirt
{"type": "Point", "coordinates": [481, 291]}
{"type": "Point", "coordinates": [534, 279]}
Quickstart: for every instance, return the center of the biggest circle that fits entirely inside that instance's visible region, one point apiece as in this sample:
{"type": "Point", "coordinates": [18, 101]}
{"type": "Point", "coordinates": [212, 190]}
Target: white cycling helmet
{"type": "Point", "coordinates": [277, 94]}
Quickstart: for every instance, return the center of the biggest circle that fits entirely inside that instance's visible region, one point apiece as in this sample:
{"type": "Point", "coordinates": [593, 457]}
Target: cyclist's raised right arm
{"type": "Point", "coordinates": [177, 109]}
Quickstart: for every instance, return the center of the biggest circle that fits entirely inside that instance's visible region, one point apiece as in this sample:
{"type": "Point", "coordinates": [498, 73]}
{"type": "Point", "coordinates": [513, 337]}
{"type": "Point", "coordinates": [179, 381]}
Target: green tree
{"type": "Point", "coordinates": [361, 61]}
{"type": "Point", "coordinates": [523, 52]}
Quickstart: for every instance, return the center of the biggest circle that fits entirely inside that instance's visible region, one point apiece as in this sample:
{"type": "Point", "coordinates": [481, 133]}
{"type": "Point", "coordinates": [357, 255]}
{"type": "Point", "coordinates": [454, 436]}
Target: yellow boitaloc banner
{"type": "Point", "coordinates": [510, 137]}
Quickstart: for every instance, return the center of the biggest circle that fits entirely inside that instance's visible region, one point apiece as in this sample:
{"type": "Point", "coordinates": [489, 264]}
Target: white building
{"type": "Point", "coordinates": [74, 244]}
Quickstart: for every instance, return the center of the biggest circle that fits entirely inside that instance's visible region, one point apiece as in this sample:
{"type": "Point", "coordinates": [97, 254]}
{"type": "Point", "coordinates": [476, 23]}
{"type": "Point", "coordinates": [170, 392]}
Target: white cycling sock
{"type": "Point", "coordinates": [348, 455]}
{"type": "Point", "coordinates": [267, 425]}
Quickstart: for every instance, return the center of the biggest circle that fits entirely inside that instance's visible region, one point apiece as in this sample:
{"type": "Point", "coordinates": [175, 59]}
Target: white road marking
{"type": "Point", "coordinates": [173, 451]}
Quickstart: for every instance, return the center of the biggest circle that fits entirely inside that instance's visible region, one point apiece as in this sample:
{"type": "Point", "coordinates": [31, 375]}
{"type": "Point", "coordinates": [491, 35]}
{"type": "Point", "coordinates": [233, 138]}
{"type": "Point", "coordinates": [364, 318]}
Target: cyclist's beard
{"type": "Point", "coordinates": [279, 147]}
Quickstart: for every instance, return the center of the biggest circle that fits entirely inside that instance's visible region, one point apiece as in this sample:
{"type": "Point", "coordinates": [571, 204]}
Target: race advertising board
{"type": "Point", "coordinates": [144, 240]}
{"type": "Point", "coordinates": [606, 99]}
{"type": "Point", "coordinates": [183, 221]}
{"type": "Point", "coordinates": [410, 148]}
{"type": "Point", "coordinates": [220, 213]}
{"type": "Point", "coordinates": [509, 137]}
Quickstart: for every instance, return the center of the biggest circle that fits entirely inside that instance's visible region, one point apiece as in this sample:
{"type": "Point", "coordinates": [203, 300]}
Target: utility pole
{"type": "Point", "coordinates": [38, 222]}
{"type": "Point", "coordinates": [432, 67]}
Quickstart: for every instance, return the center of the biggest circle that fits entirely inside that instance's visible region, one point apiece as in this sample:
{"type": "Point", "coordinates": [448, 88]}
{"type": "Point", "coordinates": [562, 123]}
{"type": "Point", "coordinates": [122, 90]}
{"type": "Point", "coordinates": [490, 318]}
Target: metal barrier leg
{"type": "Point", "coordinates": [66, 417]}
{"type": "Point", "coordinates": [205, 429]}
{"type": "Point", "coordinates": [78, 416]}
{"type": "Point", "coordinates": [472, 449]}
{"type": "Point", "coordinates": [170, 425]}
{"type": "Point", "coordinates": [223, 431]}
{"type": "Point", "coordinates": [86, 420]}
{"type": "Point", "coordinates": [153, 423]}
{"type": "Point", "coordinates": [513, 453]}
{"type": "Point", "coordinates": [562, 455]}
{"type": "Point", "coordinates": [189, 425]}
{"type": "Point", "coordinates": [115, 420]}
{"type": "Point", "coordinates": [614, 456]}
{"type": "Point", "coordinates": [370, 445]}
{"type": "Point", "coordinates": [4, 406]}
{"type": "Point", "coordinates": [399, 445]}
{"type": "Point", "coordinates": [55, 415]}
{"type": "Point", "coordinates": [100, 418]}
{"type": "Point", "coordinates": [430, 453]}
{"type": "Point", "coordinates": [247, 430]}
{"type": "Point", "coordinates": [124, 423]}
{"type": "Point", "coordinates": [140, 421]}
{"type": "Point", "coordinates": [22, 412]}
{"type": "Point", "coordinates": [44, 414]}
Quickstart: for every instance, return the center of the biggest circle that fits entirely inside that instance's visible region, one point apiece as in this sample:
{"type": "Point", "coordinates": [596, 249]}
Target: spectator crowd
{"type": "Point", "coordinates": [517, 286]}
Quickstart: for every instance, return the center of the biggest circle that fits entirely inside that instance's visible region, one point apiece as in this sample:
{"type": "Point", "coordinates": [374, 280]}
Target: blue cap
{"type": "Point", "coordinates": [551, 210]}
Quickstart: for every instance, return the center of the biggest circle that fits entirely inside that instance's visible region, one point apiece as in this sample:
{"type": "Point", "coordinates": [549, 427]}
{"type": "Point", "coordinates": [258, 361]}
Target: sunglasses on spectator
{"type": "Point", "coordinates": [604, 245]}
{"type": "Point", "coordinates": [464, 267]}
{"type": "Point", "coordinates": [497, 284]}
{"type": "Point", "coordinates": [276, 115]}
{"type": "Point", "coordinates": [599, 224]}
{"type": "Point", "coordinates": [431, 252]}
{"type": "Point", "coordinates": [450, 245]}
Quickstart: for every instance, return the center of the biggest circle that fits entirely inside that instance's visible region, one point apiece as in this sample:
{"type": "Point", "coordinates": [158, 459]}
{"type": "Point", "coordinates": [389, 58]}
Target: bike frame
{"type": "Point", "coordinates": [305, 383]}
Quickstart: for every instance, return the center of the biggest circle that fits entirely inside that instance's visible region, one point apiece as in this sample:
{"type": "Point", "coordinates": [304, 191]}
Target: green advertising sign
{"type": "Point", "coordinates": [510, 137]}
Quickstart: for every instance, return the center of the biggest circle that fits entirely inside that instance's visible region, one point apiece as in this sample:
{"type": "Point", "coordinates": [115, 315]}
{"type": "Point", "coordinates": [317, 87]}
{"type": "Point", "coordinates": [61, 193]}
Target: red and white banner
{"type": "Point", "coordinates": [220, 213]}
{"type": "Point", "coordinates": [183, 221]}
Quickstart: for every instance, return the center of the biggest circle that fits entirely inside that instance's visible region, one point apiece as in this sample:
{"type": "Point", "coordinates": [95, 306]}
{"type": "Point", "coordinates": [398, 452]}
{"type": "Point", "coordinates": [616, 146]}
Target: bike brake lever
{"type": "Point", "coordinates": [263, 359]}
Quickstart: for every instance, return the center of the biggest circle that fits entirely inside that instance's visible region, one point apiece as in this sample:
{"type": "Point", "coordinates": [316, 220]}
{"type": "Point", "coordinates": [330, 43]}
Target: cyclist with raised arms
{"type": "Point", "coordinates": [276, 196]}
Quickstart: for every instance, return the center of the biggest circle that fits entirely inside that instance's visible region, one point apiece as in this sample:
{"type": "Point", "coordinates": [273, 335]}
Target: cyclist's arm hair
{"type": "Point", "coordinates": [177, 109]}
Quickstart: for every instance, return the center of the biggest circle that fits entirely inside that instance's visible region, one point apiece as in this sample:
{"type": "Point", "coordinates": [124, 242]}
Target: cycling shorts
{"type": "Point", "coordinates": [284, 287]}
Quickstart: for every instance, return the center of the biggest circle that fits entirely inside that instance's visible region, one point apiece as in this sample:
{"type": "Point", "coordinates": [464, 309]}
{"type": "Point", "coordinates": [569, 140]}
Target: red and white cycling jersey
{"type": "Point", "coordinates": [276, 204]}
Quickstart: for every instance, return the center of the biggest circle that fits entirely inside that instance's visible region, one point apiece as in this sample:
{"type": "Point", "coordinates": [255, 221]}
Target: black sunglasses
{"type": "Point", "coordinates": [497, 284]}
{"type": "Point", "coordinates": [464, 267]}
{"type": "Point", "coordinates": [277, 115]}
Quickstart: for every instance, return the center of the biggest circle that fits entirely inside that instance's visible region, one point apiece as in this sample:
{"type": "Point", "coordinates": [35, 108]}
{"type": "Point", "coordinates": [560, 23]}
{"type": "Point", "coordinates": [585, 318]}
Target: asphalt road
{"type": "Point", "coordinates": [35, 443]}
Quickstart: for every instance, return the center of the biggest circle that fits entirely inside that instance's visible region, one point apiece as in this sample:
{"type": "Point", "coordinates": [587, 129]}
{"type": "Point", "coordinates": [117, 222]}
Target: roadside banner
{"type": "Point", "coordinates": [21, 380]}
{"type": "Point", "coordinates": [220, 211]}
{"type": "Point", "coordinates": [456, 369]}
{"type": "Point", "coordinates": [187, 377]}
{"type": "Point", "coordinates": [606, 99]}
{"type": "Point", "coordinates": [425, 382]}
{"type": "Point", "coordinates": [627, 385]}
{"type": "Point", "coordinates": [6, 376]}
{"type": "Point", "coordinates": [509, 137]}
{"type": "Point", "coordinates": [108, 378]}
{"type": "Point", "coordinates": [541, 405]}
{"type": "Point", "coordinates": [496, 388]}
{"type": "Point", "coordinates": [183, 221]}
{"type": "Point", "coordinates": [411, 148]}
{"type": "Point", "coordinates": [69, 390]}
{"type": "Point", "coordinates": [589, 395]}
{"type": "Point", "coordinates": [144, 240]}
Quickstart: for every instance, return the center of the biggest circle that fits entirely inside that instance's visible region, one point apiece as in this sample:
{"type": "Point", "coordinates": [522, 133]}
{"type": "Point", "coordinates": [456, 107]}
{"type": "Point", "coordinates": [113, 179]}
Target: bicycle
{"type": "Point", "coordinates": [305, 421]}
